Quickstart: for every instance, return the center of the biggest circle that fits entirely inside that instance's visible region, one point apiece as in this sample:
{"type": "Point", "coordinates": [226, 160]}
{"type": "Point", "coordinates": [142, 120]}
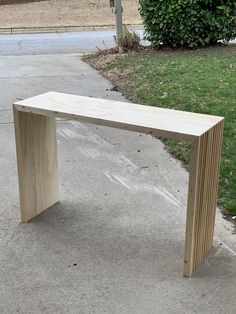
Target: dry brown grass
{"type": "Point", "coordinates": [59, 13]}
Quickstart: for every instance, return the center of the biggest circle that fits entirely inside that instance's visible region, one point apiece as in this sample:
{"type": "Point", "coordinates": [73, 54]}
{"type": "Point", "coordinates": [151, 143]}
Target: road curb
{"type": "Point", "coordinates": [61, 29]}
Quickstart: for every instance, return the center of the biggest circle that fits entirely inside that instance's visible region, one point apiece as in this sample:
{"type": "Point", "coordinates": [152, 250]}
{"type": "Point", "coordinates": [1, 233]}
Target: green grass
{"type": "Point", "coordinates": [199, 81]}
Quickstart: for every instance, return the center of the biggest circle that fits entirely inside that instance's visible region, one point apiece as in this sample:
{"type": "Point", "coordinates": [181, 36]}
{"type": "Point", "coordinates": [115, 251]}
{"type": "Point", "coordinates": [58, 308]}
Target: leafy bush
{"type": "Point", "coordinates": [128, 39]}
{"type": "Point", "coordinates": [188, 23]}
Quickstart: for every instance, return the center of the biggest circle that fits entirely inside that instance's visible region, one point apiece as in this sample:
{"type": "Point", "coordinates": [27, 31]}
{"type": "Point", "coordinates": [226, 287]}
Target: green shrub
{"type": "Point", "coordinates": [188, 23]}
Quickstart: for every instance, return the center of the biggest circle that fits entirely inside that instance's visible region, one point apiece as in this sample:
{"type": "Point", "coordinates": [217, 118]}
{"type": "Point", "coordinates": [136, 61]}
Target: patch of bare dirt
{"type": "Point", "coordinates": [65, 13]}
{"type": "Point", "coordinates": [121, 78]}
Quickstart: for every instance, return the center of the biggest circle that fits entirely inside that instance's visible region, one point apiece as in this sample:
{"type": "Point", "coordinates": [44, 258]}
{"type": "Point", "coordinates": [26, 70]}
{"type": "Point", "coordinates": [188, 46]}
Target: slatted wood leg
{"type": "Point", "coordinates": [37, 162]}
{"type": "Point", "coordinates": [202, 197]}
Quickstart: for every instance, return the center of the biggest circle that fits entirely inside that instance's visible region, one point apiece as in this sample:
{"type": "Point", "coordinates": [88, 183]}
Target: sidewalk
{"type": "Point", "coordinates": [114, 244]}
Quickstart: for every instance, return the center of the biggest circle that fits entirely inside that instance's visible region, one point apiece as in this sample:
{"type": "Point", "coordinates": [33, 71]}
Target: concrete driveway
{"type": "Point", "coordinates": [115, 242]}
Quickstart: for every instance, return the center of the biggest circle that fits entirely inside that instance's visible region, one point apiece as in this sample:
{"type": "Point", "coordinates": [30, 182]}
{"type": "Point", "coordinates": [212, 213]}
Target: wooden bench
{"type": "Point", "coordinates": [35, 130]}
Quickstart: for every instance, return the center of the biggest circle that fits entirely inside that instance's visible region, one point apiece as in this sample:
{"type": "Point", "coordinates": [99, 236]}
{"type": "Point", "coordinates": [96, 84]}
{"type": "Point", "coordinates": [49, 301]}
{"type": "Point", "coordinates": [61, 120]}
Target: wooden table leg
{"type": "Point", "coordinates": [202, 197]}
{"type": "Point", "coordinates": [36, 148]}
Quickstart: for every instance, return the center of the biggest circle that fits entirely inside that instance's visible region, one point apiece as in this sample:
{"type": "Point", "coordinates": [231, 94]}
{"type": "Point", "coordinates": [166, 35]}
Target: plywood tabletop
{"type": "Point", "coordinates": [165, 122]}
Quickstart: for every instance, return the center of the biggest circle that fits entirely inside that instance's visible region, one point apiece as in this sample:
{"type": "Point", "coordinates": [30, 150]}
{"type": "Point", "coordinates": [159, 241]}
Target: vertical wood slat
{"type": "Point", "coordinates": [199, 201]}
{"type": "Point", "coordinates": [211, 190]}
{"type": "Point", "coordinates": [206, 194]}
{"type": "Point", "coordinates": [203, 182]}
{"type": "Point", "coordinates": [210, 203]}
{"type": "Point", "coordinates": [37, 162]}
{"type": "Point", "coordinates": [219, 128]}
{"type": "Point", "coordinates": [202, 197]}
{"type": "Point", "coordinates": [192, 213]}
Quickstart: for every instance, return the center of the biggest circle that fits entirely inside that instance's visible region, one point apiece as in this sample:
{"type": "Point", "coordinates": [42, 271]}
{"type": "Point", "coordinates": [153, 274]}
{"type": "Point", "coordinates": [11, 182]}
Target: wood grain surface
{"type": "Point", "coordinates": [163, 122]}
{"type": "Point", "coordinates": [37, 162]}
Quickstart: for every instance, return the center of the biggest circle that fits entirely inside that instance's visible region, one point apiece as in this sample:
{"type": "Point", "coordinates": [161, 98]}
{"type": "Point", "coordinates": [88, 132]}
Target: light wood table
{"type": "Point", "coordinates": [35, 130]}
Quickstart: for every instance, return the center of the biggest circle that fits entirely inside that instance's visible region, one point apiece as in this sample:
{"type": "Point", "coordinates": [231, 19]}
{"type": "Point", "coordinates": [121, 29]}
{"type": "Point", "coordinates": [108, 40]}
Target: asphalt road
{"type": "Point", "coordinates": [56, 43]}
